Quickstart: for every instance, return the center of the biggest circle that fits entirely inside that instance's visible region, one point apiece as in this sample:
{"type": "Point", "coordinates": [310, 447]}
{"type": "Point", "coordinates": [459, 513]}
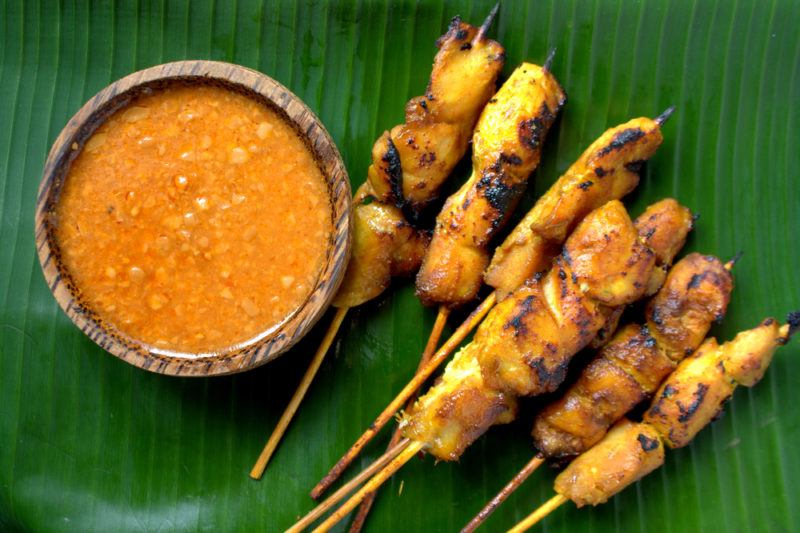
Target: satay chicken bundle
{"type": "Point", "coordinates": [558, 283]}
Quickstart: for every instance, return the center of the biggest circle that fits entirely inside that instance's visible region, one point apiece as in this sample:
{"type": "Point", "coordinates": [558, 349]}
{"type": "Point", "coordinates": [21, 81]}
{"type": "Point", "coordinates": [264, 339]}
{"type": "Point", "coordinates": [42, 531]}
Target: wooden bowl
{"type": "Point", "coordinates": [243, 356]}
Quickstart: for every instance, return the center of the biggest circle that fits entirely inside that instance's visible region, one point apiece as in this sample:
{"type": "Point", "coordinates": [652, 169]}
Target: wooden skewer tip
{"type": "Point", "coordinates": [663, 117]}
{"type": "Point", "coordinates": [733, 260]}
{"type": "Point", "coordinates": [548, 63]}
{"type": "Point", "coordinates": [487, 23]}
{"type": "Point", "coordinates": [792, 325]}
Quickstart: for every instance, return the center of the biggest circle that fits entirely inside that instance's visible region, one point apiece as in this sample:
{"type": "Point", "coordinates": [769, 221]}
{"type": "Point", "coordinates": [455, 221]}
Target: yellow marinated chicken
{"type": "Point", "coordinates": [384, 245]}
{"type": "Point", "coordinates": [458, 409]}
{"type": "Point", "coordinates": [691, 398]}
{"type": "Point", "coordinates": [628, 452]}
{"type": "Point", "coordinates": [528, 339]}
{"type": "Point", "coordinates": [412, 161]}
{"type": "Point", "coordinates": [658, 227]}
{"type": "Point", "coordinates": [506, 148]}
{"type": "Point", "coordinates": [607, 170]}
{"type": "Point", "coordinates": [633, 364]}
{"type": "Point", "coordinates": [560, 319]}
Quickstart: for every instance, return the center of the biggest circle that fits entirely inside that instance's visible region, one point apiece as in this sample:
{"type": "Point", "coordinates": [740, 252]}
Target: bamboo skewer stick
{"type": "Point", "coordinates": [416, 382]}
{"type": "Point", "coordinates": [433, 338]}
{"type": "Point", "coordinates": [430, 347]}
{"type": "Point", "coordinates": [548, 507]}
{"type": "Point", "coordinates": [299, 394]}
{"type": "Point", "coordinates": [495, 502]}
{"type": "Point", "coordinates": [348, 487]}
{"type": "Point", "coordinates": [410, 451]}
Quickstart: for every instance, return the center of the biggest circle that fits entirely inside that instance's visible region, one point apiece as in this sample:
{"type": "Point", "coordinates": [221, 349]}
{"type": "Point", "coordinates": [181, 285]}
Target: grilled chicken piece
{"type": "Point", "coordinates": [663, 227]}
{"type": "Point", "coordinates": [458, 409]}
{"type": "Point", "coordinates": [632, 366]}
{"type": "Point", "coordinates": [506, 148]}
{"type": "Point", "coordinates": [384, 245]}
{"type": "Point", "coordinates": [412, 161]}
{"type": "Point", "coordinates": [627, 453]}
{"type": "Point", "coordinates": [689, 400]}
{"type": "Point", "coordinates": [607, 170]}
{"type": "Point", "coordinates": [551, 322]}
{"type": "Point", "coordinates": [528, 339]}
{"type": "Point", "coordinates": [695, 393]}
{"type": "Point", "coordinates": [658, 225]}
{"type": "Point", "coordinates": [693, 297]}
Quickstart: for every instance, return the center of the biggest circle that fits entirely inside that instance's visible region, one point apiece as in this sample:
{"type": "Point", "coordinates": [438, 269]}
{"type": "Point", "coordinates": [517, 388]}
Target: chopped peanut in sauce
{"type": "Point", "coordinates": [177, 220]}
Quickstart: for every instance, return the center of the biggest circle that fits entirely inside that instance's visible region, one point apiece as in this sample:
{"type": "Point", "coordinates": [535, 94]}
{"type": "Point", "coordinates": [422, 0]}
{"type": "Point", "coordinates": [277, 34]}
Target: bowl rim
{"type": "Point", "coordinates": [261, 348]}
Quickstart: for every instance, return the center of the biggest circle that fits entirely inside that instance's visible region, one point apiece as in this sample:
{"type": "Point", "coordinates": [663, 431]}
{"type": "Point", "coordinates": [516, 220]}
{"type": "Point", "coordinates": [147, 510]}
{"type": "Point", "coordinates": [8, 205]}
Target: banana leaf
{"type": "Point", "coordinates": [89, 443]}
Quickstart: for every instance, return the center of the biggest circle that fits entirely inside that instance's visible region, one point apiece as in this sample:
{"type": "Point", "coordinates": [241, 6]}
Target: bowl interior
{"type": "Point", "coordinates": [266, 345]}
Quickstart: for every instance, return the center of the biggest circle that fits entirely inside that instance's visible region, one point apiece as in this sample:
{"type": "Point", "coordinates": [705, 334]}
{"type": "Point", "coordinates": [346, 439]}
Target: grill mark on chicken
{"type": "Point", "coordinates": [395, 172]}
{"type": "Point", "coordinates": [646, 443]}
{"type": "Point", "coordinates": [687, 412]}
{"type": "Point", "coordinates": [549, 380]}
{"type": "Point", "coordinates": [621, 139]}
{"type": "Point", "coordinates": [532, 132]}
{"type": "Point", "coordinates": [635, 166]}
{"type": "Point", "coordinates": [500, 196]}
{"type": "Point", "coordinates": [516, 322]}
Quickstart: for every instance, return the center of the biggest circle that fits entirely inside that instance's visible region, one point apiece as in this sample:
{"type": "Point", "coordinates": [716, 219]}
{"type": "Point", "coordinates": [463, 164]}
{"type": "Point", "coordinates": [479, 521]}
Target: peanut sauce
{"type": "Point", "coordinates": [194, 219]}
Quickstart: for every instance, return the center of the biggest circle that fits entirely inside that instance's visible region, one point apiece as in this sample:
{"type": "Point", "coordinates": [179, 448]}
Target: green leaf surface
{"type": "Point", "coordinates": [89, 443]}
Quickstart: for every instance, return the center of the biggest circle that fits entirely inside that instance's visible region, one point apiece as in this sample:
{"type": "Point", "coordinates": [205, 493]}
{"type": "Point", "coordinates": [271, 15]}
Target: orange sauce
{"type": "Point", "coordinates": [194, 219]}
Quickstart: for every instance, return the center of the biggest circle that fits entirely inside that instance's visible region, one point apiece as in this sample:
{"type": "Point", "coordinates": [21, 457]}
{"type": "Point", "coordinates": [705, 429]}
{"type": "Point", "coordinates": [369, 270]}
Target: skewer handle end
{"type": "Point", "coordinates": [532, 519]}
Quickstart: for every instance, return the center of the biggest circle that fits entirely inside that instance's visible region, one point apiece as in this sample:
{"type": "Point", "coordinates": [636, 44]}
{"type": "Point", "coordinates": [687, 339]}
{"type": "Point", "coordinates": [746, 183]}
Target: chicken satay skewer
{"type": "Point", "coordinates": [630, 367]}
{"type": "Point", "coordinates": [419, 154]}
{"type": "Point", "coordinates": [409, 165]}
{"type": "Point", "coordinates": [503, 159]}
{"type": "Point", "coordinates": [690, 399]}
{"type": "Point", "coordinates": [606, 170]}
{"type": "Point", "coordinates": [605, 260]}
{"type": "Point", "coordinates": [467, 202]}
{"type": "Point", "coordinates": [444, 311]}
{"type": "Point", "coordinates": [506, 148]}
